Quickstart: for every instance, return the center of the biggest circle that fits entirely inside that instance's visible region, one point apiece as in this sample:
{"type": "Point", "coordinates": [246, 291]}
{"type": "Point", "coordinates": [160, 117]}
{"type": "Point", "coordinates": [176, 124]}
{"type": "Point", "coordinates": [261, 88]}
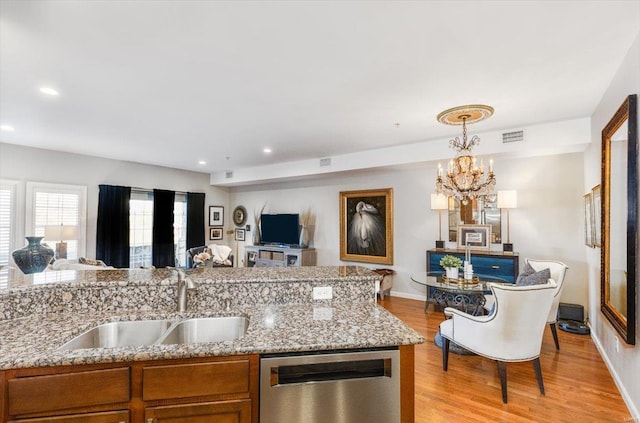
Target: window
{"type": "Point", "coordinates": [141, 229]}
{"type": "Point", "coordinates": [55, 204]}
{"type": "Point", "coordinates": [8, 222]}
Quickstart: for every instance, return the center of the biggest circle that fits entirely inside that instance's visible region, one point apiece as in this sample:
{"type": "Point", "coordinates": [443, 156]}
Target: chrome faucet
{"type": "Point", "coordinates": [184, 283]}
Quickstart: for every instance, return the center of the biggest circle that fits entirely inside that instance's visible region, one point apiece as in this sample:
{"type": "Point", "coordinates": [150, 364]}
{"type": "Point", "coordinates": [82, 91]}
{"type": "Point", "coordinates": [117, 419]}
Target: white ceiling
{"type": "Point", "coordinates": [173, 82]}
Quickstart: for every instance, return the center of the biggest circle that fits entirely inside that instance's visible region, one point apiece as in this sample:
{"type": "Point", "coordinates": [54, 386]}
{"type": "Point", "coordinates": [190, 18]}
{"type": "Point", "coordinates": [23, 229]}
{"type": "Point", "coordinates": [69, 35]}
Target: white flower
{"type": "Point", "coordinates": [201, 257]}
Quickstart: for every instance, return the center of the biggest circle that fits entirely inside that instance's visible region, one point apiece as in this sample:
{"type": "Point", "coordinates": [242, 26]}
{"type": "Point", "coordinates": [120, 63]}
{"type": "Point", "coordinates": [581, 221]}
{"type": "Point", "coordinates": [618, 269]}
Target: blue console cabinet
{"type": "Point", "coordinates": [503, 265]}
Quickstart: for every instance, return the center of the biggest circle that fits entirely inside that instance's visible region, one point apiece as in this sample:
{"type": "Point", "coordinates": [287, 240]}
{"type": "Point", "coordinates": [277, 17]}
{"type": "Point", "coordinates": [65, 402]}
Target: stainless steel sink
{"type": "Point", "coordinates": [206, 329]}
{"type": "Point", "coordinates": [119, 334]}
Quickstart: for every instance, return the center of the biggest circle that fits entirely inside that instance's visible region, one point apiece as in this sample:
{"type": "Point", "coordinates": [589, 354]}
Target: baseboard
{"type": "Point", "coordinates": [408, 296]}
{"type": "Point", "coordinates": [623, 392]}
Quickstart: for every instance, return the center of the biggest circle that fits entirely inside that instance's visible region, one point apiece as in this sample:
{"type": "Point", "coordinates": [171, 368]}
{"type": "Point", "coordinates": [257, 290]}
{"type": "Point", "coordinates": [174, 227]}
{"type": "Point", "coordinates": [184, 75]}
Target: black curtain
{"type": "Point", "coordinates": [195, 220]}
{"type": "Point", "coordinates": [163, 245]}
{"type": "Point", "coordinates": [112, 237]}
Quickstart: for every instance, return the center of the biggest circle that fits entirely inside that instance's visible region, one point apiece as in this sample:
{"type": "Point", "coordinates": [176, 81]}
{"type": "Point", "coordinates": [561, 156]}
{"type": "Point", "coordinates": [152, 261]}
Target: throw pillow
{"type": "Point", "coordinates": [530, 277]}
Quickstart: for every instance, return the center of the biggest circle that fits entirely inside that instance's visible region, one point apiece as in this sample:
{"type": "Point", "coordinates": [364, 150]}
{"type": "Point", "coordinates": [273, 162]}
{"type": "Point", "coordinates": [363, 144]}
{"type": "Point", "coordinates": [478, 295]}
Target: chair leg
{"type": "Point", "coordinates": [555, 334]}
{"type": "Point", "coordinates": [502, 369]}
{"type": "Point", "coordinates": [536, 367]}
{"type": "Point", "coordinates": [445, 353]}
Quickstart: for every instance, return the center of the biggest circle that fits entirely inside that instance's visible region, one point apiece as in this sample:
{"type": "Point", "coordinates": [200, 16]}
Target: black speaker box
{"type": "Point", "coordinates": [573, 312]}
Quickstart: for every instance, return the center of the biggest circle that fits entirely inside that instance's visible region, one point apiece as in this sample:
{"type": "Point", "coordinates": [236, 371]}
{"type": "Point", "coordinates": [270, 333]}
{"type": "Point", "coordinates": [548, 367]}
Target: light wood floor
{"type": "Point", "coordinates": [577, 383]}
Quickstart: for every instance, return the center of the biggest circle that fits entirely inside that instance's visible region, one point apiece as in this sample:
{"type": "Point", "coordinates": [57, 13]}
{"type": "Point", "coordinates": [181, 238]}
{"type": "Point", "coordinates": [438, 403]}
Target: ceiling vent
{"type": "Point", "coordinates": [228, 175]}
{"type": "Point", "coordinates": [325, 162]}
{"type": "Point", "coordinates": [515, 136]}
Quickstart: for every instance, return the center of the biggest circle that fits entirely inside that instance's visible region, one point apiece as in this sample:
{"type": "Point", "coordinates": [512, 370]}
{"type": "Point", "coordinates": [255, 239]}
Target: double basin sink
{"type": "Point", "coordinates": [160, 332]}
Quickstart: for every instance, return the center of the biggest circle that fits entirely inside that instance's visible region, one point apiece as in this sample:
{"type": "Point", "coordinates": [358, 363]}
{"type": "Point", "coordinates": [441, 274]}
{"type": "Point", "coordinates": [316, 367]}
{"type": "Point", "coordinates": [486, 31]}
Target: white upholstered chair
{"type": "Point", "coordinates": [512, 333]}
{"type": "Point", "coordinates": [558, 269]}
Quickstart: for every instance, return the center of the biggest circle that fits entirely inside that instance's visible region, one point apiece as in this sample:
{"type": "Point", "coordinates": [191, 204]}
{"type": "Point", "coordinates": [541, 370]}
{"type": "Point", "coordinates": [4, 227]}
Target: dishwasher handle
{"type": "Point", "coordinates": [331, 371]}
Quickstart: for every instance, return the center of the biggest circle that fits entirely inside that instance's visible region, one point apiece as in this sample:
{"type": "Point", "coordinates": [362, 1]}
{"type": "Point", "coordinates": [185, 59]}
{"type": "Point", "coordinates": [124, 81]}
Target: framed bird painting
{"type": "Point", "coordinates": [366, 226]}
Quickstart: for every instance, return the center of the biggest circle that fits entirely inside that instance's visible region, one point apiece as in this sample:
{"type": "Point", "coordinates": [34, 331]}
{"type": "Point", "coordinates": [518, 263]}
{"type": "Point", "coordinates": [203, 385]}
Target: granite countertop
{"type": "Point", "coordinates": [44, 311]}
{"type": "Point", "coordinates": [34, 341]}
{"type": "Point", "coordinates": [12, 280]}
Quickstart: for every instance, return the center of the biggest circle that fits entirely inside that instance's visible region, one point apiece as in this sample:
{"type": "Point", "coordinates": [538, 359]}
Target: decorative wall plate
{"type": "Point", "coordinates": [239, 216]}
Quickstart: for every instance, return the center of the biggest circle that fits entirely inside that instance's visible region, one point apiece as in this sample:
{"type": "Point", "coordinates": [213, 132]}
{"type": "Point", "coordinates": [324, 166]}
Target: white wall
{"type": "Point", "coordinates": [625, 364]}
{"type": "Point", "coordinates": [32, 164]}
{"type": "Point", "coordinates": [548, 222]}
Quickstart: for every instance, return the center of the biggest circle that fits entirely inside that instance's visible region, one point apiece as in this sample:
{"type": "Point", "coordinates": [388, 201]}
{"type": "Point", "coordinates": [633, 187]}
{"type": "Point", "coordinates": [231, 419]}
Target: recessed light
{"type": "Point", "coordinates": [202, 162]}
{"type": "Point", "coordinates": [48, 91]}
{"type": "Point", "coordinates": [266, 150]}
{"type": "Point", "coordinates": [7, 128]}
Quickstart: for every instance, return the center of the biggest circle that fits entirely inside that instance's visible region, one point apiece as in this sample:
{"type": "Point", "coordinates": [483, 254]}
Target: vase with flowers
{"type": "Point", "coordinates": [451, 264]}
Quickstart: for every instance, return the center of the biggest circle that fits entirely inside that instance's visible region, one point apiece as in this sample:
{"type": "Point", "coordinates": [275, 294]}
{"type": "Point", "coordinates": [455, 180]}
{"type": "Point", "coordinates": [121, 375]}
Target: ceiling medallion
{"type": "Point", "coordinates": [465, 178]}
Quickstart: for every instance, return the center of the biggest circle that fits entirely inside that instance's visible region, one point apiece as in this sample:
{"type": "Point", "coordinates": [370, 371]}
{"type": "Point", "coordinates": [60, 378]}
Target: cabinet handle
{"type": "Point", "coordinates": [495, 267]}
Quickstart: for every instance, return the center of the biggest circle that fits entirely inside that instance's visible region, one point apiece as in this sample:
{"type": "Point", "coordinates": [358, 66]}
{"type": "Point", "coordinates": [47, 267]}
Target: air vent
{"type": "Point", "coordinates": [325, 162]}
{"type": "Point", "coordinates": [228, 175]}
{"type": "Point", "coordinates": [515, 136]}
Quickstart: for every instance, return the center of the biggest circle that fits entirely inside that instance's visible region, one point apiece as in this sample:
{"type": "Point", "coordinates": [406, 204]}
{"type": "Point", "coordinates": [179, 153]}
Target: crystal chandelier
{"type": "Point", "coordinates": [465, 178]}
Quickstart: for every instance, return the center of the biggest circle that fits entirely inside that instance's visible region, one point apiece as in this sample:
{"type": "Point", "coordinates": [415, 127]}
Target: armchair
{"type": "Point", "coordinates": [512, 333]}
{"type": "Point", "coordinates": [558, 269]}
{"type": "Point", "coordinates": [192, 252]}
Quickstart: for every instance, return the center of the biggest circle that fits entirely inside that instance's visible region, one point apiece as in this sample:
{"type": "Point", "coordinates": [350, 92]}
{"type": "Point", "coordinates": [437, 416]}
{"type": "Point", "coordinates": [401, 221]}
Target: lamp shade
{"type": "Point", "coordinates": [507, 199]}
{"type": "Point", "coordinates": [439, 202]}
{"type": "Point", "coordinates": [60, 232]}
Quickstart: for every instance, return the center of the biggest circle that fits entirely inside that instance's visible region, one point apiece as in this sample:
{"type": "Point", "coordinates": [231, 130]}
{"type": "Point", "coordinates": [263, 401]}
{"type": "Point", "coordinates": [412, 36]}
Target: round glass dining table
{"type": "Point", "coordinates": [465, 295]}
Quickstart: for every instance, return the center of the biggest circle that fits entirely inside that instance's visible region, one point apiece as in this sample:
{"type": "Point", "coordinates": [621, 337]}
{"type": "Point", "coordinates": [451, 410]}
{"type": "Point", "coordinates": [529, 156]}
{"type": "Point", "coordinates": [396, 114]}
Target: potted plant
{"type": "Point", "coordinates": [451, 264]}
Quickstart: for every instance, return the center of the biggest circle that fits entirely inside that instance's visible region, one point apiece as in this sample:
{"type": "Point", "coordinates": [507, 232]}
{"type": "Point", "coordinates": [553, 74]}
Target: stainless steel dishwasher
{"type": "Point", "coordinates": [340, 387]}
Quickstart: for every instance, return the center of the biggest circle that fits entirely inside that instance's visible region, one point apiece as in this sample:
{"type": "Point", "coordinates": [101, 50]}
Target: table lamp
{"type": "Point", "coordinates": [507, 200]}
{"type": "Point", "coordinates": [439, 202]}
{"type": "Point", "coordinates": [60, 233]}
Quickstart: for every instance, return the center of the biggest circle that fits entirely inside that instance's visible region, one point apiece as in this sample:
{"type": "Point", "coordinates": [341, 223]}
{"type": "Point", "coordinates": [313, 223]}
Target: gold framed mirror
{"type": "Point", "coordinates": [479, 211]}
{"type": "Point", "coordinates": [619, 219]}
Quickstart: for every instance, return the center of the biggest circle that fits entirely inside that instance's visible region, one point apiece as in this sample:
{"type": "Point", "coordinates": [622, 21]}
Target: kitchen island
{"type": "Point", "coordinates": [42, 312]}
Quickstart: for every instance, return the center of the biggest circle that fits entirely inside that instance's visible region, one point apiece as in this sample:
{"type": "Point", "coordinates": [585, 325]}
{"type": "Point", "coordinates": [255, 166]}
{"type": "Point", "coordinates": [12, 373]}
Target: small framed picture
{"type": "Point", "coordinates": [478, 237]}
{"type": "Point", "coordinates": [215, 234]}
{"type": "Point", "coordinates": [216, 215]}
{"type": "Point", "coordinates": [239, 234]}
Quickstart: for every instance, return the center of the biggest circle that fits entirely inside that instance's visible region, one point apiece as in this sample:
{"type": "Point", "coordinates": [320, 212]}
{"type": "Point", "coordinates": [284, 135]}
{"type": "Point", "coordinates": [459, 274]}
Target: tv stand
{"type": "Point", "coordinates": [279, 256]}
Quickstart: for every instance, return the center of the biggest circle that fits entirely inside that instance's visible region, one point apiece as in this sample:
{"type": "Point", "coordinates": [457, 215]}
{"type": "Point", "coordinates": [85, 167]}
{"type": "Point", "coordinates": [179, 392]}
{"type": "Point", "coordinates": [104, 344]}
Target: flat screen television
{"type": "Point", "coordinates": [279, 229]}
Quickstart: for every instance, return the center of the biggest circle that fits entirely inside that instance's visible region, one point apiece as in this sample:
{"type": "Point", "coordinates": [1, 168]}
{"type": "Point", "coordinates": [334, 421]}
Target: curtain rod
{"type": "Point", "coordinates": [146, 190]}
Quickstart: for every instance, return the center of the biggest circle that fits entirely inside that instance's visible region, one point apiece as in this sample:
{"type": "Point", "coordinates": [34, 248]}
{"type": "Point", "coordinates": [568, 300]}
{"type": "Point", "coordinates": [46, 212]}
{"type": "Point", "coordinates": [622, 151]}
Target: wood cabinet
{"type": "Point", "coordinates": [217, 389]}
{"type": "Point", "coordinates": [272, 256]}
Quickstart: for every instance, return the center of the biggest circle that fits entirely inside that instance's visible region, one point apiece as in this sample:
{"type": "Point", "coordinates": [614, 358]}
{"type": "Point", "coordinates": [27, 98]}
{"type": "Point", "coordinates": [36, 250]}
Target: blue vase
{"type": "Point", "coordinates": [34, 257]}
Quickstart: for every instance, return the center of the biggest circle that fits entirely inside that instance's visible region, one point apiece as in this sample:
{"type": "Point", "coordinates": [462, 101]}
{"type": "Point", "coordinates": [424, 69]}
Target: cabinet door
{"type": "Point", "coordinates": [238, 411]}
{"type": "Point", "coordinates": [108, 417]}
{"type": "Point", "coordinates": [66, 391]}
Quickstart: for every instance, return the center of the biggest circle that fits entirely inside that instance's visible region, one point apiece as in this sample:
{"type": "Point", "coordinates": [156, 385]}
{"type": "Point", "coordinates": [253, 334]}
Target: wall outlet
{"type": "Point", "coordinates": [322, 293]}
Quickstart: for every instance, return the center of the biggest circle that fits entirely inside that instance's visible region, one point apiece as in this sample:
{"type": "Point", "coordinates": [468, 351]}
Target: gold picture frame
{"type": "Point", "coordinates": [477, 236]}
{"type": "Point", "coordinates": [366, 226]}
{"type": "Point", "coordinates": [588, 220]}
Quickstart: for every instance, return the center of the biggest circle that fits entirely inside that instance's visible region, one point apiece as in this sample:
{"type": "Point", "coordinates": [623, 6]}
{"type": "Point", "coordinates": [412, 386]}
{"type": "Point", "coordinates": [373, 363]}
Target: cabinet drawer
{"type": "Point", "coordinates": [222, 411]}
{"type": "Point", "coordinates": [193, 380]}
{"type": "Point", "coordinates": [108, 417]}
{"type": "Point", "coordinates": [69, 390]}
{"type": "Point", "coordinates": [502, 268]}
